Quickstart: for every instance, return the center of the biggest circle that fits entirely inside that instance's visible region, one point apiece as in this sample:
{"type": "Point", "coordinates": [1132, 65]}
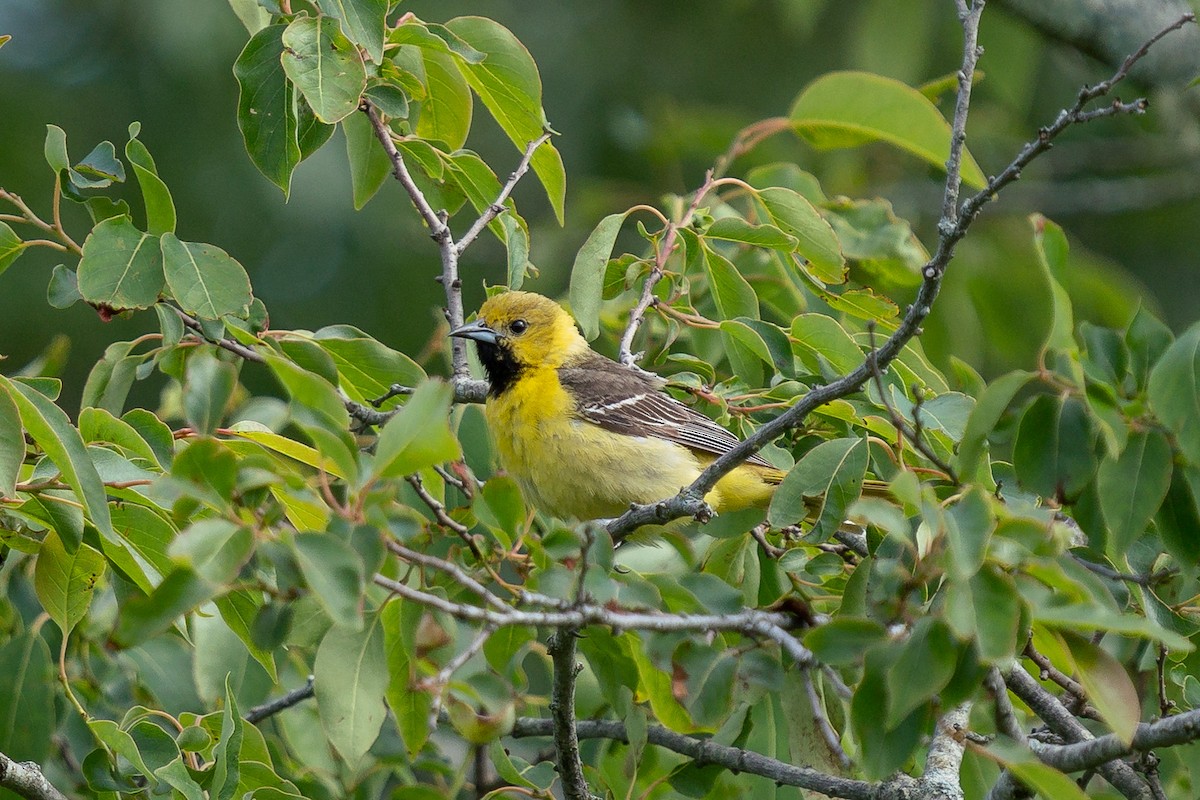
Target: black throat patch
{"type": "Point", "coordinates": [502, 368]}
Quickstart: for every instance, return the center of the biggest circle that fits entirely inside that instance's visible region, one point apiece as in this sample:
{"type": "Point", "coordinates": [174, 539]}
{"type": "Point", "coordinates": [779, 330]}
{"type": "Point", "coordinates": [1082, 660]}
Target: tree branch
{"type": "Point", "coordinates": [638, 314]}
{"type": "Point", "coordinates": [1063, 723]}
{"type": "Point", "coordinates": [497, 206]}
{"type": "Point", "coordinates": [443, 518]}
{"type": "Point", "coordinates": [267, 709]}
{"type": "Point", "coordinates": [952, 227]}
{"type": "Point", "coordinates": [26, 779]}
{"type": "Point", "coordinates": [750, 622]}
{"type": "Point", "coordinates": [704, 751]}
{"type": "Point", "coordinates": [1168, 732]}
{"type": "Point", "coordinates": [190, 322]}
{"type": "Point", "coordinates": [562, 711]}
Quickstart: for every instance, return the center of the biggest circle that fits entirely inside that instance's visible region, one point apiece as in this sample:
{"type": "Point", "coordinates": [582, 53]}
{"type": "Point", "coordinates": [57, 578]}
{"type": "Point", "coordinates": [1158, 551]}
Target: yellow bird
{"type": "Point", "coordinates": [585, 436]}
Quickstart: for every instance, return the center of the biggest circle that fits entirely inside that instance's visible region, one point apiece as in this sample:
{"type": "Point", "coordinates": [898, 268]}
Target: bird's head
{"type": "Point", "coordinates": [519, 330]}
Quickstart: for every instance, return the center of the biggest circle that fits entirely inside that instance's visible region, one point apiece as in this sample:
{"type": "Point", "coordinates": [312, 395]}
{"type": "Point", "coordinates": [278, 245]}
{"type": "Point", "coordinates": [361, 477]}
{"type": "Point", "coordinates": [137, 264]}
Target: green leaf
{"type": "Point", "coordinates": [1029, 769]}
{"type": "Point", "coordinates": [214, 548]}
{"type": "Point", "coordinates": [351, 678]}
{"type": "Point", "coordinates": [63, 290]}
{"type": "Point", "coordinates": [65, 581]}
{"type": "Point", "coordinates": [27, 684]}
{"type": "Point", "coordinates": [1132, 487]}
{"type": "Point", "coordinates": [99, 169]}
{"type": "Point", "coordinates": [12, 443]}
{"type": "Point", "coordinates": [11, 246]}
{"type": "Point", "coordinates": [324, 65]}
{"type": "Point", "coordinates": [847, 109]}
{"type": "Point", "coordinates": [362, 22]}
{"type": "Point", "coordinates": [732, 293]}
{"type": "Point", "coordinates": [311, 133]}
{"type": "Point", "coordinates": [832, 471]}
{"type": "Point", "coordinates": [334, 572]}
{"type": "Point", "coordinates": [226, 767]}
{"type": "Point", "coordinates": [587, 274]}
{"type": "Point", "coordinates": [121, 267]}
{"type": "Point", "coordinates": [1174, 391]}
{"type": "Point", "coordinates": [1055, 451]}
{"type": "Point", "coordinates": [736, 229]}
{"type": "Point", "coordinates": [252, 14]}
{"type": "Point", "coordinates": [99, 425]}
{"type": "Point", "coordinates": [446, 113]}
{"type": "Point", "coordinates": [818, 338]}
{"type": "Point", "coordinates": [970, 523]}
{"type": "Point", "coordinates": [312, 396]}
{"type": "Point", "coordinates": [419, 435]}
{"type": "Point", "coordinates": [1179, 517]}
{"type": "Point", "coordinates": [1051, 245]}
{"type": "Point", "coordinates": [924, 667]}
{"type": "Point", "coordinates": [879, 242]}
{"type": "Point", "coordinates": [948, 413]}
{"type": "Point", "coordinates": [369, 162]}
{"type": "Point", "coordinates": [883, 750]}
{"type": "Point", "coordinates": [517, 238]}
{"type": "Point", "coordinates": [206, 392]}
{"type": "Point", "coordinates": [1107, 685]}
{"type": "Point", "coordinates": [1147, 339]}
{"type": "Point", "coordinates": [508, 83]}
{"type": "Point", "coordinates": [156, 433]}
{"type": "Point", "coordinates": [160, 209]}
{"type": "Point", "coordinates": [56, 149]}
{"type": "Point", "coordinates": [266, 112]}
{"type": "Point", "coordinates": [997, 608]}
{"type": "Point", "coordinates": [816, 240]}
{"type": "Point", "coordinates": [409, 703]}
{"type": "Point", "coordinates": [656, 685]}
{"type": "Point", "coordinates": [60, 441]}
{"type": "Point", "coordinates": [146, 616]}
{"type": "Point", "coordinates": [844, 640]}
{"type": "Point", "coordinates": [204, 279]}
{"type": "Point", "coordinates": [992, 404]}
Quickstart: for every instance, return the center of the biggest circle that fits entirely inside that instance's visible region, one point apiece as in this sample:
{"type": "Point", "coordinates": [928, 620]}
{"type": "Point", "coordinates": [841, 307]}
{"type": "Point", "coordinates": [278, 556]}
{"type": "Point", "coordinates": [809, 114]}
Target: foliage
{"type": "Point", "coordinates": [202, 556]}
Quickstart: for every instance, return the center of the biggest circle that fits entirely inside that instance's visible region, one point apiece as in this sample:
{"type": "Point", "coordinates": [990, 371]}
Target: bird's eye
{"type": "Point", "coordinates": [518, 327]}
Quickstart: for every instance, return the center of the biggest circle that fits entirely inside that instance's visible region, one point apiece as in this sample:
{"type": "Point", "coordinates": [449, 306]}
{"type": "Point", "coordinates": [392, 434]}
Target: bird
{"type": "Point", "coordinates": [585, 436]}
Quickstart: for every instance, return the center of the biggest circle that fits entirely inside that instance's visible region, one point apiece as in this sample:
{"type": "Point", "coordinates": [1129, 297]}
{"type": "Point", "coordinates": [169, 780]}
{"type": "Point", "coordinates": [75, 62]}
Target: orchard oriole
{"type": "Point", "coordinates": [585, 436]}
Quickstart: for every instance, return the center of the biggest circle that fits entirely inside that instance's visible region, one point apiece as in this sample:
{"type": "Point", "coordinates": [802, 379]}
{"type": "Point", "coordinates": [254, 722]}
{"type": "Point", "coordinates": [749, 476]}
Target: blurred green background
{"type": "Point", "coordinates": [645, 95]}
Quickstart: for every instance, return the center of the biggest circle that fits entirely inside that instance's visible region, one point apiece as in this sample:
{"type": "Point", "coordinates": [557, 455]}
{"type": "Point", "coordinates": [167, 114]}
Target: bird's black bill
{"type": "Point", "coordinates": [476, 330]}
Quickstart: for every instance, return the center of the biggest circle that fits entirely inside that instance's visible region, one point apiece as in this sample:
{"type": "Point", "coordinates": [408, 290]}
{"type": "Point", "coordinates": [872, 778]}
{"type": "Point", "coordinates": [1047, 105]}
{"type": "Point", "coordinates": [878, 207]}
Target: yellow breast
{"type": "Point", "coordinates": [571, 468]}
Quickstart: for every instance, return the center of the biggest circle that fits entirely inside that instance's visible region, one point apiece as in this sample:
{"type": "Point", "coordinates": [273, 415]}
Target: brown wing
{"type": "Point", "coordinates": [623, 401]}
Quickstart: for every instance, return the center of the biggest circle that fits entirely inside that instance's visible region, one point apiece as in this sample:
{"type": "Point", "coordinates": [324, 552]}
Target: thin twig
{"type": "Point", "coordinates": [1165, 704]}
{"type": "Point", "coordinates": [271, 707]}
{"type": "Point", "coordinates": [437, 684]}
{"type": "Point", "coordinates": [27, 215]}
{"type": "Point", "coordinates": [912, 435]}
{"type": "Point", "coordinates": [832, 741]}
{"type": "Point", "coordinates": [190, 322]}
{"type": "Point", "coordinates": [759, 532]}
{"type": "Point", "coordinates": [706, 751]}
{"type": "Point", "coordinates": [625, 351]}
{"type": "Point", "coordinates": [1106, 571]}
{"type": "Point", "coordinates": [497, 207]}
{"type": "Point", "coordinates": [443, 518]}
{"type": "Point", "coordinates": [1051, 673]}
{"type": "Point", "coordinates": [749, 622]}
{"type": "Point", "coordinates": [450, 568]}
